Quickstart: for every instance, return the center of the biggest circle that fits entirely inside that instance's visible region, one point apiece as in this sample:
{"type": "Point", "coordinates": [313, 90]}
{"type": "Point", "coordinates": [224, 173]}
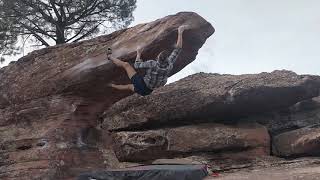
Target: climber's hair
{"type": "Point", "coordinates": [163, 55]}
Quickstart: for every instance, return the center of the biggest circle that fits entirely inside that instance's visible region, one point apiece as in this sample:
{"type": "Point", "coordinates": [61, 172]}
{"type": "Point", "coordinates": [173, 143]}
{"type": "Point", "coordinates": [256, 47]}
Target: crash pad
{"type": "Point", "coordinates": [154, 172]}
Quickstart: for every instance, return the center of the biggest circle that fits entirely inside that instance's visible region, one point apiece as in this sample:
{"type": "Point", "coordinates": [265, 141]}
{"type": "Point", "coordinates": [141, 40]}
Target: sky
{"type": "Point", "coordinates": [252, 36]}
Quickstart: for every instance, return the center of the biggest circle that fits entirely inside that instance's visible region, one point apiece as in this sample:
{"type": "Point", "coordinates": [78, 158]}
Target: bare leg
{"type": "Point", "coordinates": [125, 65]}
{"type": "Point", "coordinates": [123, 87]}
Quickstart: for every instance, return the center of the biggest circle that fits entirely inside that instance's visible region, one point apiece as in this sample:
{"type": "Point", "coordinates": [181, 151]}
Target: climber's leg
{"type": "Point", "coordinates": [123, 87]}
{"type": "Point", "coordinates": [125, 65]}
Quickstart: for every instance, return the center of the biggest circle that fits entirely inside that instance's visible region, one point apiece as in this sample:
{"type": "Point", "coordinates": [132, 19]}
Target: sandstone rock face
{"type": "Point", "coordinates": [58, 118]}
{"type": "Point", "coordinates": [81, 68]}
{"type": "Point", "coordinates": [302, 114]}
{"type": "Point", "coordinates": [220, 120]}
{"type": "Point", "coordinates": [214, 96]}
{"type": "Point", "coordinates": [300, 142]}
{"type": "Point", "coordinates": [49, 138]}
{"type": "Point", "coordinates": [51, 99]}
{"type": "Point", "coordinates": [195, 139]}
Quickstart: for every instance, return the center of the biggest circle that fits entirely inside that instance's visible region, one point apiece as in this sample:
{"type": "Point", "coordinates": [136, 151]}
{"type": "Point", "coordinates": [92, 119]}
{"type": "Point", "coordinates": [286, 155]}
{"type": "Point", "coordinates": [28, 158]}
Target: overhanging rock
{"type": "Point", "coordinates": [50, 100]}
{"type": "Point", "coordinates": [81, 68]}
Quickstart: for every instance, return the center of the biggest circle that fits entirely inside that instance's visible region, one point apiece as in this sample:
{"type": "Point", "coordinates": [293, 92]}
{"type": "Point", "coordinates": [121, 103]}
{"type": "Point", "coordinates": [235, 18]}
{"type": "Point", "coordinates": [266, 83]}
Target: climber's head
{"type": "Point", "coordinates": [162, 57]}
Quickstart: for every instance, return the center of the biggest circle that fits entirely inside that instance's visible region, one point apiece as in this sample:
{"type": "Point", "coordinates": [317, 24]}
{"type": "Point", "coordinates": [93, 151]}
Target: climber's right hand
{"type": "Point", "coordinates": [182, 28]}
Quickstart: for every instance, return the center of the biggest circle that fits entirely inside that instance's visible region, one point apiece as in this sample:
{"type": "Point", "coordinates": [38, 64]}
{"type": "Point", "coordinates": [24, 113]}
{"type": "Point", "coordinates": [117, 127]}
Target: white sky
{"type": "Point", "coordinates": [251, 36]}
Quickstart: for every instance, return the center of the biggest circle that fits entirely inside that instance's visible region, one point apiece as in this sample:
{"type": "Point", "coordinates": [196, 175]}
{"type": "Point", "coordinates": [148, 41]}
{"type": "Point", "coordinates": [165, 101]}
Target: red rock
{"type": "Point", "coordinates": [50, 138]}
{"type": "Point", "coordinates": [181, 141]}
{"type": "Point", "coordinates": [210, 97]}
{"type": "Point", "coordinates": [50, 101]}
{"type": "Point", "coordinates": [300, 142]}
{"type": "Point", "coordinates": [302, 114]}
{"type": "Point", "coordinates": [80, 68]}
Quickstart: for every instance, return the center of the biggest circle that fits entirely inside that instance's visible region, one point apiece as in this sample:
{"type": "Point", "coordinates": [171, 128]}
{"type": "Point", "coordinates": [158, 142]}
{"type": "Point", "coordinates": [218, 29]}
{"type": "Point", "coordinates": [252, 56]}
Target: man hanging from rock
{"type": "Point", "coordinates": [157, 71]}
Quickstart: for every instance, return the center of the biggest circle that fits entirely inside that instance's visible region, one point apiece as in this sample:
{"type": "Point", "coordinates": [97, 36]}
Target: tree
{"type": "Point", "coordinates": [8, 38]}
{"type": "Point", "coordinates": [50, 22]}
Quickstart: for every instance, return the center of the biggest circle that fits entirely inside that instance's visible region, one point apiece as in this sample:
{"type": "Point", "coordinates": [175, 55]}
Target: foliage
{"type": "Point", "coordinates": [50, 22]}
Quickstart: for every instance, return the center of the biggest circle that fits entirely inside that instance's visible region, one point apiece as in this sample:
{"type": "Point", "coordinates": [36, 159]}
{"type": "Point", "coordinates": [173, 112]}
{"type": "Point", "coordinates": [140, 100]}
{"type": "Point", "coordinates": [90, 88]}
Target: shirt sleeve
{"type": "Point", "coordinates": [146, 64]}
{"type": "Point", "coordinates": [174, 55]}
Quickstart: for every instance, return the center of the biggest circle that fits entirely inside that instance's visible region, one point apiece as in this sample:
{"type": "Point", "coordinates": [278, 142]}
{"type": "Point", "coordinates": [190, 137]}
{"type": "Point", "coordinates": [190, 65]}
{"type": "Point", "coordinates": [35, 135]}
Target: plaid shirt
{"type": "Point", "coordinates": [157, 74]}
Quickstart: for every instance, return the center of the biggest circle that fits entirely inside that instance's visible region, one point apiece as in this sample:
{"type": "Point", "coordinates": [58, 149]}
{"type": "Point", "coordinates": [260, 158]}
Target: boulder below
{"type": "Point", "coordinates": [305, 113]}
{"type": "Point", "coordinates": [211, 97]}
{"type": "Point", "coordinates": [191, 140]}
{"type": "Point", "coordinates": [223, 121]}
{"type": "Point", "coordinates": [300, 142]}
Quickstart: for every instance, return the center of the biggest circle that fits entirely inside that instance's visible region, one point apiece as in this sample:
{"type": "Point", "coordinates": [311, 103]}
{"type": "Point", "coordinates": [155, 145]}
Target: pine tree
{"type": "Point", "coordinates": [49, 22]}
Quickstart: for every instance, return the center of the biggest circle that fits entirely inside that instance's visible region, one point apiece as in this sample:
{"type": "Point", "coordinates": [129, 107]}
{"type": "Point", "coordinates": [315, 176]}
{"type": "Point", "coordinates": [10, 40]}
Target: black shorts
{"type": "Point", "coordinates": [140, 86]}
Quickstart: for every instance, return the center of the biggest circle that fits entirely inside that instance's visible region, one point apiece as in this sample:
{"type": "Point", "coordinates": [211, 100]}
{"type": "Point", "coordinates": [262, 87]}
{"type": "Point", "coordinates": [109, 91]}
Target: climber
{"type": "Point", "coordinates": [157, 71]}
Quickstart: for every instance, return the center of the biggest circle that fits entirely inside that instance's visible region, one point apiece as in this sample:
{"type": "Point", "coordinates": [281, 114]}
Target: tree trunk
{"type": "Point", "coordinates": [60, 35]}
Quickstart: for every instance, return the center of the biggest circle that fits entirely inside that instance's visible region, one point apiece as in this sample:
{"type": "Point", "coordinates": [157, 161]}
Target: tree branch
{"type": "Point", "coordinates": [88, 33]}
{"type": "Point", "coordinates": [33, 29]}
{"type": "Point", "coordinates": [41, 39]}
{"type": "Point", "coordinates": [55, 10]}
{"type": "Point", "coordinates": [44, 15]}
{"type": "Point", "coordinates": [83, 12]}
{"type": "Point", "coordinates": [34, 32]}
{"type": "Point", "coordinates": [79, 32]}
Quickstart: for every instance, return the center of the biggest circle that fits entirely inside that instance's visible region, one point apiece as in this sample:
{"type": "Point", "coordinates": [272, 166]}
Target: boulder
{"type": "Point", "coordinates": [81, 68]}
{"type": "Point", "coordinates": [302, 114]}
{"type": "Point", "coordinates": [51, 99]}
{"type": "Point", "coordinates": [300, 142]}
{"type": "Point", "coordinates": [50, 138]}
{"type": "Point", "coordinates": [191, 140]}
{"type": "Point", "coordinates": [211, 97]}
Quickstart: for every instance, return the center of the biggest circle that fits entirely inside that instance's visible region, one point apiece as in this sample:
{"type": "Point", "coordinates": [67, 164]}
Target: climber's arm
{"type": "Point", "coordinates": [180, 38]}
{"type": "Point", "coordinates": [145, 64]}
{"type": "Point", "coordinates": [178, 47]}
{"type": "Point", "coordinates": [174, 55]}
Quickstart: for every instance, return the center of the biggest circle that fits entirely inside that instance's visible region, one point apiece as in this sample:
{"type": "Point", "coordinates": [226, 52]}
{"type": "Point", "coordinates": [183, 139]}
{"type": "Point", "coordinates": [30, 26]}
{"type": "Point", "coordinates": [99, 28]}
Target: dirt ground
{"type": "Point", "coordinates": [299, 169]}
